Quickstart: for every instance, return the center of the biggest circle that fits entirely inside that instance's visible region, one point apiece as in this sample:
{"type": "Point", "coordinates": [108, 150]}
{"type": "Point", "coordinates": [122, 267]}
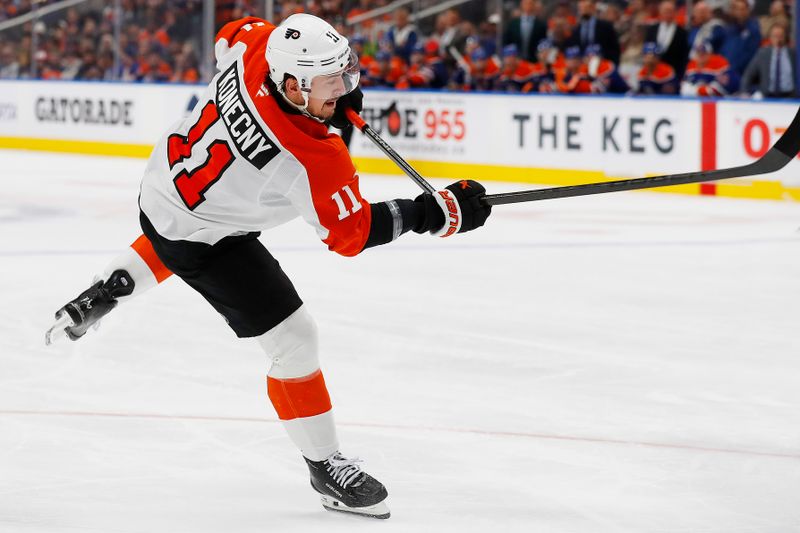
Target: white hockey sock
{"type": "Point", "coordinates": [297, 388]}
{"type": "Point", "coordinates": [142, 265]}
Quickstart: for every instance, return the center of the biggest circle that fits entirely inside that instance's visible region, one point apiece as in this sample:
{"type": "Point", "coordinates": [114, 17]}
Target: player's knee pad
{"type": "Point", "coordinates": [293, 346]}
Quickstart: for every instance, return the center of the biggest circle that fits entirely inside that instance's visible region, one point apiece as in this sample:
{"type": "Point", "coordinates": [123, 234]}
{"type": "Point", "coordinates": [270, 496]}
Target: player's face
{"type": "Point", "coordinates": [330, 89]}
{"type": "Point", "coordinates": [542, 55]}
{"type": "Point", "coordinates": [326, 89]}
{"type": "Point", "coordinates": [322, 109]}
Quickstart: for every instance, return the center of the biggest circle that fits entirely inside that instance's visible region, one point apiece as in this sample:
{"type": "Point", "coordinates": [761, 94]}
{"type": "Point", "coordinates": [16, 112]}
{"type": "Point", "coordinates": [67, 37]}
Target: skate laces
{"type": "Point", "coordinates": [344, 471]}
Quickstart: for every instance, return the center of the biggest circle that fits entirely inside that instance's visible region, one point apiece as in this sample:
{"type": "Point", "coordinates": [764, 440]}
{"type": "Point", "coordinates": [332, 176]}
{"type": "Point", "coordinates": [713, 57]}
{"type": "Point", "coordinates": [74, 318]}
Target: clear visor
{"type": "Point", "coordinates": [332, 86]}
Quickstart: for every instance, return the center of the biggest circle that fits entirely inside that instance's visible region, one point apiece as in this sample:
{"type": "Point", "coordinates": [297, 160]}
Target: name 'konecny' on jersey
{"type": "Point", "coordinates": [239, 163]}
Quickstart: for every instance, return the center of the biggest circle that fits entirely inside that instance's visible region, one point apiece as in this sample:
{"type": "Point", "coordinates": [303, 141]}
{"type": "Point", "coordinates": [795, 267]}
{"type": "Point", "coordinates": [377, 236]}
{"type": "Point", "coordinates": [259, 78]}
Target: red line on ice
{"type": "Point", "coordinates": [529, 435]}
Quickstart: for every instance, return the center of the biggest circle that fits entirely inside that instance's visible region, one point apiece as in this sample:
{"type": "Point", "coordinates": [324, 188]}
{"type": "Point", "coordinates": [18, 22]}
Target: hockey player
{"type": "Point", "coordinates": [708, 74]}
{"type": "Point", "coordinates": [479, 74]}
{"type": "Point", "coordinates": [655, 77]}
{"type": "Point", "coordinates": [517, 75]}
{"type": "Point", "coordinates": [603, 73]}
{"type": "Point", "coordinates": [574, 78]}
{"type": "Point", "coordinates": [254, 154]}
{"type": "Point", "coordinates": [551, 63]}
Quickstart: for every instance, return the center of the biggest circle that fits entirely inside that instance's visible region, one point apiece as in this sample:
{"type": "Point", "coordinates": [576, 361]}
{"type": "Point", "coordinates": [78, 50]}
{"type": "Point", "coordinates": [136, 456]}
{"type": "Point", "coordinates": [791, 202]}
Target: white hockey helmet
{"type": "Point", "coordinates": [313, 52]}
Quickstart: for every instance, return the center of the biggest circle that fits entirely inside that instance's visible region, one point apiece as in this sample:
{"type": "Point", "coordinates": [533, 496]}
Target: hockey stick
{"type": "Point", "coordinates": [784, 150]}
{"type": "Point", "coordinates": [461, 63]}
{"type": "Point", "coordinates": [359, 123]}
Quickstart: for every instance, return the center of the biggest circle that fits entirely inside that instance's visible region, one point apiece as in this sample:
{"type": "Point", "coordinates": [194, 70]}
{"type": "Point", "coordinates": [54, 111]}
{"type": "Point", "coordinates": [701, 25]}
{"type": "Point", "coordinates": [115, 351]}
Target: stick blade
{"type": "Point", "coordinates": [789, 143]}
{"type": "Point", "coordinates": [783, 151]}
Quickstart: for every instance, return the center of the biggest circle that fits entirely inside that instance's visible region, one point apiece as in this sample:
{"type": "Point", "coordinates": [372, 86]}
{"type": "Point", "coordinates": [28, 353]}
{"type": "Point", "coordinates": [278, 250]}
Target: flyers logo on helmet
{"type": "Point", "coordinates": [292, 34]}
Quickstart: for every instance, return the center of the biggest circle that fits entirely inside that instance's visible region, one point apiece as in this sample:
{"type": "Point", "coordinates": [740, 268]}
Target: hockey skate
{"type": "Point", "coordinates": [74, 319]}
{"type": "Point", "coordinates": [344, 487]}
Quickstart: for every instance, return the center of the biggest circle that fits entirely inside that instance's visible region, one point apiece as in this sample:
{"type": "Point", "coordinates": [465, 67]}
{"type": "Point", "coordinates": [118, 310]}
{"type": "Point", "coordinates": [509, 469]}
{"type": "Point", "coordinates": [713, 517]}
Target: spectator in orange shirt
{"type": "Point", "coordinates": [418, 75]}
{"type": "Point", "coordinates": [382, 73]}
{"type": "Point", "coordinates": [154, 69]}
{"type": "Point", "coordinates": [185, 69]}
{"type": "Point", "coordinates": [49, 68]}
{"type": "Point", "coordinates": [365, 60]}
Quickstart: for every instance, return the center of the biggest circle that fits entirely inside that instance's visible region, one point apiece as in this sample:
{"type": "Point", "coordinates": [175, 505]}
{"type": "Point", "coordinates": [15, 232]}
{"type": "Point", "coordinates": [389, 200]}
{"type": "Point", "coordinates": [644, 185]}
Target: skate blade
{"type": "Point", "coordinates": [58, 331]}
{"type": "Point", "coordinates": [379, 510]}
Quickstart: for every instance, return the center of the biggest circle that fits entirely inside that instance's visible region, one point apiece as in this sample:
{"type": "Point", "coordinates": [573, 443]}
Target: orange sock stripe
{"type": "Point", "coordinates": [299, 397]}
{"type": "Point", "coordinates": [144, 248]}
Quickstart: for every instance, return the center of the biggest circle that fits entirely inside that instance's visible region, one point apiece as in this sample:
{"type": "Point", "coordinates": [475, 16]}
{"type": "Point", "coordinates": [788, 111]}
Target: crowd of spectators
{"type": "Point", "coordinates": [585, 46]}
{"type": "Point", "coordinates": [9, 10]}
{"type": "Point", "coordinates": [154, 44]}
{"type": "Point", "coordinates": [566, 46]}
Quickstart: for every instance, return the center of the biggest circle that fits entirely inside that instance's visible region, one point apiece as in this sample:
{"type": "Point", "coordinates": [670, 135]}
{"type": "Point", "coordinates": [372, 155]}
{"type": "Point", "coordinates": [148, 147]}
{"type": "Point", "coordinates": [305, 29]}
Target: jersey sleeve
{"type": "Point", "coordinates": [347, 218]}
{"type": "Point", "coordinates": [332, 203]}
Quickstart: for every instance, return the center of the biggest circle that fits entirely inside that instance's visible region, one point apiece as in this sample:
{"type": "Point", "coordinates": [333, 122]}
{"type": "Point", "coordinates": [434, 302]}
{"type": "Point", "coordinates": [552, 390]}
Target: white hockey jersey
{"type": "Point", "coordinates": [239, 163]}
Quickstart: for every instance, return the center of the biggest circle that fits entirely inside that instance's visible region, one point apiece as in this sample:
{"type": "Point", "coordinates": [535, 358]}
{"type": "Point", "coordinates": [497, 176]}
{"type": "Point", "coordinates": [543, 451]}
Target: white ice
{"type": "Point", "coordinates": [619, 363]}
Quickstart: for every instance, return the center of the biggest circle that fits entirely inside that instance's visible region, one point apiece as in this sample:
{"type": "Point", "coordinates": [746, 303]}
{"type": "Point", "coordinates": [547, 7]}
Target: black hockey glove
{"type": "Point", "coordinates": [354, 100]}
{"type": "Point", "coordinates": [456, 209]}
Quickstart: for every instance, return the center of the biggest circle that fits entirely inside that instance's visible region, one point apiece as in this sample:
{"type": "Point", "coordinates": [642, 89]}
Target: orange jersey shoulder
{"type": "Point", "coordinates": [662, 73]}
{"type": "Point", "coordinates": [716, 64]}
{"type": "Point", "coordinates": [525, 69]}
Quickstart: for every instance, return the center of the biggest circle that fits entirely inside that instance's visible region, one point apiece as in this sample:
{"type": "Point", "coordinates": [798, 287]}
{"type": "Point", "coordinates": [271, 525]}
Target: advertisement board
{"type": "Point", "coordinates": [746, 130]}
{"type": "Point", "coordinates": [541, 139]}
{"type": "Point", "coordinates": [101, 112]}
{"type": "Point", "coordinates": [620, 137]}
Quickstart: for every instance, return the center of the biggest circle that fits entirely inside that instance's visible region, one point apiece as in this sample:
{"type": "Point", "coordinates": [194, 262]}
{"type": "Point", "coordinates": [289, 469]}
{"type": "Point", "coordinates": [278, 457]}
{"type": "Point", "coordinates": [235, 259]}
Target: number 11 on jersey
{"type": "Point", "coordinates": [343, 211]}
{"type": "Point", "coordinates": [192, 185]}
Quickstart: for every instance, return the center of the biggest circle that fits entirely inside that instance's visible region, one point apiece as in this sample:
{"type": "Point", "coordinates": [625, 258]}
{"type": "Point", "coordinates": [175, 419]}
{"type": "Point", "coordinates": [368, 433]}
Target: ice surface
{"type": "Point", "coordinates": [621, 363]}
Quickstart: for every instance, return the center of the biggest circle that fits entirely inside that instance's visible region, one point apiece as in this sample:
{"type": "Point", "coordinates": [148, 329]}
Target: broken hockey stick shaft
{"type": "Point", "coordinates": [783, 151]}
{"type": "Point", "coordinates": [359, 123]}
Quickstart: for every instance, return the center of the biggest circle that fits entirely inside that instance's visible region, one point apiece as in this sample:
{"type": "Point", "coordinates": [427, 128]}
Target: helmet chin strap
{"type": "Point", "coordinates": [302, 108]}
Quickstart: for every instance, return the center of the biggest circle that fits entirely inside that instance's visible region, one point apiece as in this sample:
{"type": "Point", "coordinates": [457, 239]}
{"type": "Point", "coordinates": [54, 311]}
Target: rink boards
{"type": "Point", "coordinates": [554, 140]}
